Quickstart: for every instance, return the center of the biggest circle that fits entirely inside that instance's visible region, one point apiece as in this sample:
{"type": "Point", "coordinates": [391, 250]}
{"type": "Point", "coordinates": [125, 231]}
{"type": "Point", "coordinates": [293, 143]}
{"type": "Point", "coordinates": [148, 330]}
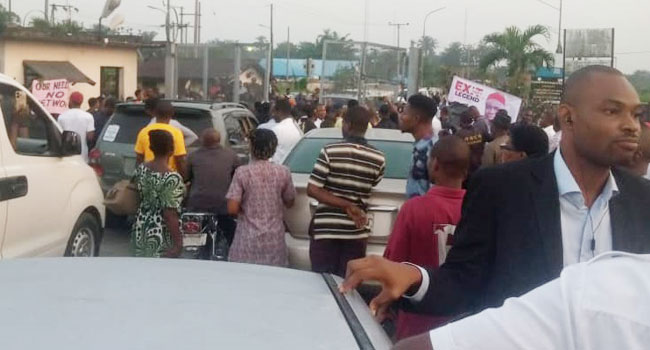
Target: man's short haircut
{"type": "Point", "coordinates": [577, 80]}
{"type": "Point", "coordinates": [353, 103]}
{"type": "Point", "coordinates": [164, 109]}
{"type": "Point", "coordinates": [150, 103]}
{"type": "Point", "coordinates": [453, 155]}
{"type": "Point", "coordinates": [529, 139]}
{"type": "Point", "coordinates": [161, 142]}
{"type": "Point", "coordinates": [425, 106]}
{"type": "Point", "coordinates": [444, 110]}
{"type": "Point", "coordinates": [283, 106]}
{"type": "Point", "coordinates": [358, 119]}
{"type": "Point", "coordinates": [502, 120]}
{"type": "Point", "coordinates": [110, 102]}
{"type": "Point", "coordinates": [92, 101]}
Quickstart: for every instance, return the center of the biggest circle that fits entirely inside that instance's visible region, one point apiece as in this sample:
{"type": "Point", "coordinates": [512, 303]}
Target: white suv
{"type": "Point", "coordinates": [50, 200]}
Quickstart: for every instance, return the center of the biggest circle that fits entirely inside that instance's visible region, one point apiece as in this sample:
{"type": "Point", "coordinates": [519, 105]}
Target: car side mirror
{"type": "Point", "coordinates": [71, 144]}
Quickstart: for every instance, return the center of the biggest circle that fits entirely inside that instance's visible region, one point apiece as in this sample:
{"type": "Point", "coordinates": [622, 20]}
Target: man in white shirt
{"type": "Point", "coordinates": [285, 129]}
{"type": "Point", "coordinates": [77, 120]}
{"type": "Point", "coordinates": [523, 222]}
{"type": "Point", "coordinates": [601, 304]}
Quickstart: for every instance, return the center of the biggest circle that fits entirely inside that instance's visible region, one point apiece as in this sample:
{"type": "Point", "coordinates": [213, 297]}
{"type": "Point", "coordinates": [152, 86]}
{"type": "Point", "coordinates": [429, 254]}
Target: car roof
{"type": "Point", "coordinates": [372, 134]}
{"type": "Point", "coordinates": [129, 303]}
{"type": "Point", "coordinates": [201, 105]}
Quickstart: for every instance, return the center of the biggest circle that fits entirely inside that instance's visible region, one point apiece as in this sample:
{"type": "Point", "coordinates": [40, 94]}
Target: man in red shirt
{"type": "Point", "coordinates": [420, 233]}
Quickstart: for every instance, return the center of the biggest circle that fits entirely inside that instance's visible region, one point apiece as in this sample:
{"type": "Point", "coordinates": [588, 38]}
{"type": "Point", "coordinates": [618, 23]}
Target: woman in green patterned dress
{"type": "Point", "coordinates": [156, 231]}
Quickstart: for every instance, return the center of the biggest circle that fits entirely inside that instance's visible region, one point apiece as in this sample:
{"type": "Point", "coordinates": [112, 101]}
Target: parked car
{"type": "Point", "coordinates": [50, 202]}
{"type": "Point", "coordinates": [384, 203]}
{"type": "Point", "coordinates": [113, 158]}
{"type": "Point", "coordinates": [129, 303]}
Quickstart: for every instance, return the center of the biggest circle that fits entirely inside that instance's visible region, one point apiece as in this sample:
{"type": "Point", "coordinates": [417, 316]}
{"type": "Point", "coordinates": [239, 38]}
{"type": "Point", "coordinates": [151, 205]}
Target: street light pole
{"type": "Point", "coordinates": [399, 56]}
{"type": "Point", "coordinates": [559, 32]}
{"type": "Point", "coordinates": [424, 35]}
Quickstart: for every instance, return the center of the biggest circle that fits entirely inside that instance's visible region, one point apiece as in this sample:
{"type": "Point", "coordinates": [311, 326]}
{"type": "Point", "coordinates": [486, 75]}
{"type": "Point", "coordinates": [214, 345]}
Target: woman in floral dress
{"type": "Point", "coordinates": [258, 194]}
{"type": "Point", "coordinates": [156, 231]}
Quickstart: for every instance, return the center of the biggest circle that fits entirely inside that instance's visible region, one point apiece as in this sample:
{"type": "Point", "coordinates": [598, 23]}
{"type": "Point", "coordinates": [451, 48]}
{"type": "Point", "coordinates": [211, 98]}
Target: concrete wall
{"type": "Point", "coordinates": [88, 59]}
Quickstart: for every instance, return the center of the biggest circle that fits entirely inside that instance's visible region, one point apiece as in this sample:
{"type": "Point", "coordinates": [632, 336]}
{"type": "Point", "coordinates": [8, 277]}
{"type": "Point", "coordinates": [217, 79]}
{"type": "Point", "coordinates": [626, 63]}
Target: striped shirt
{"type": "Point", "coordinates": [349, 170]}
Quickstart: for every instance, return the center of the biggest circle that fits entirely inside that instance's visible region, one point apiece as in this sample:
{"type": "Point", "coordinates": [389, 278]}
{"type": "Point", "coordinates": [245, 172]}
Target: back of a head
{"type": "Point", "coordinates": [263, 144]}
{"type": "Point", "coordinates": [161, 143]}
{"type": "Point", "coordinates": [150, 104]}
{"type": "Point", "coordinates": [502, 120]}
{"type": "Point", "coordinates": [384, 110]}
{"type": "Point", "coordinates": [357, 118]}
{"type": "Point", "coordinates": [283, 106]}
{"type": "Point", "coordinates": [210, 137]}
{"type": "Point", "coordinates": [110, 103]}
{"type": "Point", "coordinates": [453, 156]}
{"type": "Point", "coordinates": [164, 110]}
{"type": "Point", "coordinates": [529, 139]}
{"type": "Point", "coordinates": [424, 105]}
{"type": "Point", "coordinates": [579, 78]}
{"type": "Point", "coordinates": [353, 103]}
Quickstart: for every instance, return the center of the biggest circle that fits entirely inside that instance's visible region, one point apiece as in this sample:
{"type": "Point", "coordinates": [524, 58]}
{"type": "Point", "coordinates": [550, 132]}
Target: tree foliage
{"type": "Point", "coordinates": [641, 81]}
{"type": "Point", "coordinates": [7, 18]}
{"type": "Point", "coordinates": [520, 53]}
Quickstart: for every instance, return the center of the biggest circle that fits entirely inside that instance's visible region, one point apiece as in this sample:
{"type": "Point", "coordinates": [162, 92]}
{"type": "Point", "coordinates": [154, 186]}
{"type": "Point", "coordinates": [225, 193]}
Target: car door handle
{"type": "Point", "coordinates": [13, 187]}
{"type": "Point", "coordinates": [383, 209]}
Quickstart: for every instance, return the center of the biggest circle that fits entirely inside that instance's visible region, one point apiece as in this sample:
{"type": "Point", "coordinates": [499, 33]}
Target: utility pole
{"type": "Point", "coordinates": [288, 50]}
{"type": "Point", "coordinates": [399, 53]}
{"type": "Point", "coordinates": [559, 32]}
{"type": "Point", "coordinates": [271, 42]}
{"type": "Point", "coordinates": [47, 8]}
{"type": "Point", "coordinates": [196, 22]}
{"type": "Point", "coordinates": [167, 21]}
{"type": "Point", "coordinates": [198, 31]}
{"type": "Point", "coordinates": [9, 6]}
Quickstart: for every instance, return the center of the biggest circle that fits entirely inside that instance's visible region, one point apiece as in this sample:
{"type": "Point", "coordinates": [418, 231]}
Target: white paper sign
{"type": "Point", "coordinates": [111, 133]}
{"type": "Point", "coordinates": [488, 100]}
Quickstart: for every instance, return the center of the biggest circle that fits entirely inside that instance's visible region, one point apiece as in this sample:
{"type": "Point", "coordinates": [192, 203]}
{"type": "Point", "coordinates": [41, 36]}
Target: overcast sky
{"type": "Point", "coordinates": [240, 19]}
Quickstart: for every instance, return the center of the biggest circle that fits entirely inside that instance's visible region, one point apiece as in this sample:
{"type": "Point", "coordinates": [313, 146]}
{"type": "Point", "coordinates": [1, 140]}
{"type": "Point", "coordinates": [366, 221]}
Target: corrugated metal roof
{"type": "Point", "coordinates": [49, 70]}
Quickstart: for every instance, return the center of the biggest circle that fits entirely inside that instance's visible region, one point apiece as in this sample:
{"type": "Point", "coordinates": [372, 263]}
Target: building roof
{"type": "Point", "coordinates": [298, 67]}
{"type": "Point", "coordinates": [85, 39]}
{"type": "Point", "coordinates": [49, 70]}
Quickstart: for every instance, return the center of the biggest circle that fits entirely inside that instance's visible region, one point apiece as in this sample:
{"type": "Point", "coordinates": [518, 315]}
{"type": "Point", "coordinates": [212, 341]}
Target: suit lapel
{"type": "Point", "coordinates": [546, 202]}
{"type": "Point", "coordinates": [624, 238]}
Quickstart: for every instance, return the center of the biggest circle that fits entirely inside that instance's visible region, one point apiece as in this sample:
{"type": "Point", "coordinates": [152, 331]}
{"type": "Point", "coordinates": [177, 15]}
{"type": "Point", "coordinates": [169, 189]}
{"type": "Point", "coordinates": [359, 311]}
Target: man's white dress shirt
{"type": "Point", "coordinates": [601, 304]}
{"type": "Point", "coordinates": [288, 134]}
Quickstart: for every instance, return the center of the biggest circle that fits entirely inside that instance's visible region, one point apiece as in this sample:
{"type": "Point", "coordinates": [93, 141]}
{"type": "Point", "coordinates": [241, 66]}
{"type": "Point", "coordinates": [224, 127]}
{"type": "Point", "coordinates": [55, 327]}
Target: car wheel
{"type": "Point", "coordinates": [84, 241]}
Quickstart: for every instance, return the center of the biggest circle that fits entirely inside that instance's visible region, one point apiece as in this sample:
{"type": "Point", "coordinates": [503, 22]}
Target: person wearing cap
{"type": "Point", "coordinates": [526, 141]}
{"type": "Point", "coordinates": [494, 103]}
{"type": "Point", "coordinates": [501, 125]}
{"type": "Point", "coordinates": [77, 120]}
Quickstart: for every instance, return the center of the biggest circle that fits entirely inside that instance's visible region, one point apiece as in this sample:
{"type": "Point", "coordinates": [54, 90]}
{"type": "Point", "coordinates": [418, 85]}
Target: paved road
{"type": "Point", "coordinates": [116, 242]}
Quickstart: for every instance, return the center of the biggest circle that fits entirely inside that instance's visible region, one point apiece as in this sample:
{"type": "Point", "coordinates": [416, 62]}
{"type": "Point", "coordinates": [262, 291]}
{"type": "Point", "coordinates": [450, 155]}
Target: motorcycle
{"type": "Point", "coordinates": [202, 238]}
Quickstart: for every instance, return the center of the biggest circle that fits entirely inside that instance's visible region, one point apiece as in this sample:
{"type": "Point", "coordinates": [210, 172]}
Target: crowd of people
{"type": "Point", "coordinates": [496, 205]}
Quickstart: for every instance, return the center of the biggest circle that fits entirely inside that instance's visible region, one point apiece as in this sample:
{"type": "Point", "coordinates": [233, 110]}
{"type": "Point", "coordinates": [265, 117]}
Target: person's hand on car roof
{"type": "Point", "coordinates": [395, 279]}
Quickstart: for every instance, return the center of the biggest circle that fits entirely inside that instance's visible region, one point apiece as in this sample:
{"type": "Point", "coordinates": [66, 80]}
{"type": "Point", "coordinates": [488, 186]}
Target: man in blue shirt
{"type": "Point", "coordinates": [416, 120]}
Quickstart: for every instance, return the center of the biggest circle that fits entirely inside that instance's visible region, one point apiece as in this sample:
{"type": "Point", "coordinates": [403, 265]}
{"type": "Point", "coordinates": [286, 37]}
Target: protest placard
{"type": "Point", "coordinates": [52, 94]}
{"type": "Point", "coordinates": [487, 99]}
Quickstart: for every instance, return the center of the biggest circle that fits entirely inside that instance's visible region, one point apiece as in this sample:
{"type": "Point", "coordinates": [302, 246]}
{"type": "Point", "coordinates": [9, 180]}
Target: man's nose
{"type": "Point", "coordinates": [631, 124]}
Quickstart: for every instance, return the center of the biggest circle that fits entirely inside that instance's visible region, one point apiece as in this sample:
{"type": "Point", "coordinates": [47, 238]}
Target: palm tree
{"type": "Point", "coordinates": [7, 18]}
{"type": "Point", "coordinates": [519, 51]}
{"type": "Point", "coordinates": [428, 45]}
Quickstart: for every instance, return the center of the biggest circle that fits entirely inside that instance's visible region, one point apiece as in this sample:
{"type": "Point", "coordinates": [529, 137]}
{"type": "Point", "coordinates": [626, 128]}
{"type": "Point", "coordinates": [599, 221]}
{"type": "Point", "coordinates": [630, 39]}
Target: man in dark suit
{"type": "Point", "coordinates": [524, 221]}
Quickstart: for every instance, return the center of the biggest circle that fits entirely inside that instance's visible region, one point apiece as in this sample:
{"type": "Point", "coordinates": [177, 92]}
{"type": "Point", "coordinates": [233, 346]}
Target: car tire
{"type": "Point", "coordinates": [85, 237]}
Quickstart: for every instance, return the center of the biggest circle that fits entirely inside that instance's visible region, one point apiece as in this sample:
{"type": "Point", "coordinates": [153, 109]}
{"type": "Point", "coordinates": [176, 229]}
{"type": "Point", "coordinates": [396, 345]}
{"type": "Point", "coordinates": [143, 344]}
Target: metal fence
{"type": "Point", "coordinates": [361, 70]}
{"type": "Point", "coordinates": [213, 72]}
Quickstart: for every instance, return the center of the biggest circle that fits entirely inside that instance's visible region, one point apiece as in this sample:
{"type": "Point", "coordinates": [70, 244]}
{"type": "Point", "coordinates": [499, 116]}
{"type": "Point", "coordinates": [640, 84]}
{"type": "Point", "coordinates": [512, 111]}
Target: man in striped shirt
{"type": "Point", "coordinates": [341, 181]}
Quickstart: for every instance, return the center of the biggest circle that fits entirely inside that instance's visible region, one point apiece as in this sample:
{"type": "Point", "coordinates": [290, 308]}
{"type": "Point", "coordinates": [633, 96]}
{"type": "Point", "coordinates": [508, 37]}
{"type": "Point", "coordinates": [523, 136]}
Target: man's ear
{"type": "Point", "coordinates": [565, 114]}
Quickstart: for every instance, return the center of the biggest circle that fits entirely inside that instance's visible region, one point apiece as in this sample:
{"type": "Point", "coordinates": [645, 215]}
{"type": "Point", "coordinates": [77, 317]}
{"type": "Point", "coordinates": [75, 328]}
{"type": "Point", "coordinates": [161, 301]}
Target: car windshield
{"type": "Point", "coordinates": [127, 122]}
{"type": "Point", "coordinates": [398, 156]}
